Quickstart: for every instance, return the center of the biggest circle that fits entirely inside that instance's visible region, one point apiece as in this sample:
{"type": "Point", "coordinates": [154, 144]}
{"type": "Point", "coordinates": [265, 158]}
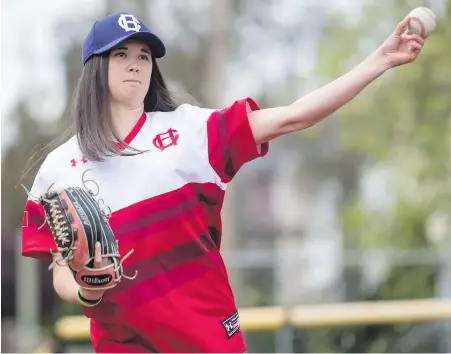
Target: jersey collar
{"type": "Point", "coordinates": [135, 130]}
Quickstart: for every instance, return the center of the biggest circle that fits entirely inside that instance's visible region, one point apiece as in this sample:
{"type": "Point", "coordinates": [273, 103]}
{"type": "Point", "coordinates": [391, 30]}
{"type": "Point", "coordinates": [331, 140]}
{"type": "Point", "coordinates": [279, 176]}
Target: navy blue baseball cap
{"type": "Point", "coordinates": [109, 31]}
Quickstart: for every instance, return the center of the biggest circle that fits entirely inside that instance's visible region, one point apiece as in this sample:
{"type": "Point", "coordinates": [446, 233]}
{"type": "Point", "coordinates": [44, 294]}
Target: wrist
{"type": "Point", "coordinates": [378, 63]}
{"type": "Point", "coordinates": [86, 302]}
{"type": "Point", "coordinates": [90, 296]}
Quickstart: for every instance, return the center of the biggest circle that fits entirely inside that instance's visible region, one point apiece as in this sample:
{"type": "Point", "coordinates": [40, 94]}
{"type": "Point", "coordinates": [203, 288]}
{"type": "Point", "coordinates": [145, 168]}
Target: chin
{"type": "Point", "coordinates": [134, 104]}
{"type": "Point", "coordinates": [133, 100]}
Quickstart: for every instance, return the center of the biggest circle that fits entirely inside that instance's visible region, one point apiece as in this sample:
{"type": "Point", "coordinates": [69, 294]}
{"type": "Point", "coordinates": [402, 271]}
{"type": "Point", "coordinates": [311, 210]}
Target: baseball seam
{"type": "Point", "coordinates": [423, 28]}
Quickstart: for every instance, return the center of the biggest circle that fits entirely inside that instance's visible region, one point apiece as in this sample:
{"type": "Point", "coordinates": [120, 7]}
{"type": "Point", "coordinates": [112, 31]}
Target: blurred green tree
{"type": "Point", "coordinates": [402, 125]}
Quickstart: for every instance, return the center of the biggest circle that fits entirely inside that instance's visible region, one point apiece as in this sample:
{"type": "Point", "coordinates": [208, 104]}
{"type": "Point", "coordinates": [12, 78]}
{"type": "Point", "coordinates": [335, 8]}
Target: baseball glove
{"type": "Point", "coordinates": [77, 223]}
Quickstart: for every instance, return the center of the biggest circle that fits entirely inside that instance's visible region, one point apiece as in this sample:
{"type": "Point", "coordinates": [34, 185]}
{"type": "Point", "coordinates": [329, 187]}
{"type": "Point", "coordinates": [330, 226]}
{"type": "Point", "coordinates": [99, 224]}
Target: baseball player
{"type": "Point", "coordinates": [161, 171]}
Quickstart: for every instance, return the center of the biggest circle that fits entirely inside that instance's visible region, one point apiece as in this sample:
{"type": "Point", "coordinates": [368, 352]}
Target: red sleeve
{"type": "Point", "coordinates": [36, 243]}
{"type": "Point", "coordinates": [230, 140]}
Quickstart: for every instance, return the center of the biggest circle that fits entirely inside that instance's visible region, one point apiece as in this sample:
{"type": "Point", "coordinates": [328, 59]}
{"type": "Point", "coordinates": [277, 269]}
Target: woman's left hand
{"type": "Point", "coordinates": [401, 47]}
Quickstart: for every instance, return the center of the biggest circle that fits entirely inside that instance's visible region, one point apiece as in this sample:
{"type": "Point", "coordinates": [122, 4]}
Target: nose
{"type": "Point", "coordinates": [134, 68]}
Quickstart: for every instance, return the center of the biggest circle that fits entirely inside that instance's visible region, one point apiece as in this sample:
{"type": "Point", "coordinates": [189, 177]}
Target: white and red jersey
{"type": "Point", "coordinates": [165, 205]}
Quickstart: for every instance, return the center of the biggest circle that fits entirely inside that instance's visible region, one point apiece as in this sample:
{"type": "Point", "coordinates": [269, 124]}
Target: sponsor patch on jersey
{"type": "Point", "coordinates": [231, 324]}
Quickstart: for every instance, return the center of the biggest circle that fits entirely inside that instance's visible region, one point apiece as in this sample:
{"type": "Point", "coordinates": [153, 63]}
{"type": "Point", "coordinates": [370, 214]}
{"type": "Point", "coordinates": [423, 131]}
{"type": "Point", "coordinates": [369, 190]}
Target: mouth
{"type": "Point", "coordinates": [134, 81]}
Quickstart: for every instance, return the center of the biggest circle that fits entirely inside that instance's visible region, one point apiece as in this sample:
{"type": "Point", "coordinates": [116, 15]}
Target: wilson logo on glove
{"type": "Point", "coordinates": [97, 280]}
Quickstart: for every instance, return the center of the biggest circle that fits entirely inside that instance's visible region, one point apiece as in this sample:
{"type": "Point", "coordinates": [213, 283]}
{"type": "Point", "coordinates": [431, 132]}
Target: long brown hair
{"type": "Point", "coordinates": [91, 116]}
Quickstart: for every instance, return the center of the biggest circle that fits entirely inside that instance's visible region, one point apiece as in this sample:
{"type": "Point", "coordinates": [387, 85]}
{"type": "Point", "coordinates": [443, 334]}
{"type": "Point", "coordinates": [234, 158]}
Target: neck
{"type": "Point", "coordinates": [125, 118]}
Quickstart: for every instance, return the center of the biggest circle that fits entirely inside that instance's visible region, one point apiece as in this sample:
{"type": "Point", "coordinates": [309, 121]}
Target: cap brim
{"type": "Point", "coordinates": [155, 44]}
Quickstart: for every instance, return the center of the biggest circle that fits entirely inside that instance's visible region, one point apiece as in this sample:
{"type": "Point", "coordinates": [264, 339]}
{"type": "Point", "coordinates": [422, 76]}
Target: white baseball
{"type": "Point", "coordinates": [423, 21]}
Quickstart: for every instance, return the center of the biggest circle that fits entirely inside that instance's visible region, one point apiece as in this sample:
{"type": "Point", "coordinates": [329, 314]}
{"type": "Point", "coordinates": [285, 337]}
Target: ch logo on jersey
{"type": "Point", "coordinates": [231, 324]}
{"type": "Point", "coordinates": [129, 23]}
{"type": "Point", "coordinates": [73, 162]}
{"type": "Point", "coordinates": [164, 140]}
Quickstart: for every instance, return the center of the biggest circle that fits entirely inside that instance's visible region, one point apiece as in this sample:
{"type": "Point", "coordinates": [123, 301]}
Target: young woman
{"type": "Point", "coordinates": [162, 170]}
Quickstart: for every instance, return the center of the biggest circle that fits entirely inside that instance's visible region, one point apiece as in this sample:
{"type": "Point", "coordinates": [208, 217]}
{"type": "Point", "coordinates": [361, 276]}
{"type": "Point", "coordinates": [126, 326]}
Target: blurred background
{"type": "Point", "coordinates": [354, 209]}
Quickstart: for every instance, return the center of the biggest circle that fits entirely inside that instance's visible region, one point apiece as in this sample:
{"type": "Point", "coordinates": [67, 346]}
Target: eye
{"type": "Point", "coordinates": [120, 54]}
{"type": "Point", "coordinates": [144, 57]}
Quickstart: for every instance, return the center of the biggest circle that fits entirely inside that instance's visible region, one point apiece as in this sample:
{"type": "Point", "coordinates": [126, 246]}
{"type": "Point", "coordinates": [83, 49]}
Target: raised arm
{"type": "Point", "coordinates": [399, 49]}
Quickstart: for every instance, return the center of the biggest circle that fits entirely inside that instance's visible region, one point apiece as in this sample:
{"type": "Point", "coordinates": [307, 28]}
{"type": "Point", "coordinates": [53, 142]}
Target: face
{"type": "Point", "coordinates": [130, 69]}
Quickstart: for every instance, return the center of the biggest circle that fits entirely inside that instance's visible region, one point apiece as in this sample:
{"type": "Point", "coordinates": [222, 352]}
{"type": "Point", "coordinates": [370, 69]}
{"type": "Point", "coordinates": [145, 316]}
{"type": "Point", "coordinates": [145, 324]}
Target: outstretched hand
{"type": "Point", "coordinates": [401, 47]}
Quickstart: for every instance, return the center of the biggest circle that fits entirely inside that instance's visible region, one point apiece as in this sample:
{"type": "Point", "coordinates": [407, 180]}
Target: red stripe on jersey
{"type": "Point", "coordinates": [139, 124]}
{"type": "Point", "coordinates": [134, 132]}
{"type": "Point", "coordinates": [161, 281]}
{"type": "Point", "coordinates": [150, 213]}
{"type": "Point", "coordinates": [158, 224]}
{"type": "Point", "coordinates": [157, 207]}
{"type": "Point", "coordinates": [164, 262]}
{"type": "Point", "coordinates": [154, 239]}
{"type": "Point", "coordinates": [231, 143]}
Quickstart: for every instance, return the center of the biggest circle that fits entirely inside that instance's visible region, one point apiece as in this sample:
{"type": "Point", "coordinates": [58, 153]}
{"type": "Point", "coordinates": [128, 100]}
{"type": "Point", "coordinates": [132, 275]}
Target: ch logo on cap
{"type": "Point", "coordinates": [129, 23]}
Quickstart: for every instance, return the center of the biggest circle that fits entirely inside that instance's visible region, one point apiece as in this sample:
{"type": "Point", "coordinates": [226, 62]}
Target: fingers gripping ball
{"type": "Point", "coordinates": [77, 224]}
{"type": "Point", "coordinates": [423, 21]}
